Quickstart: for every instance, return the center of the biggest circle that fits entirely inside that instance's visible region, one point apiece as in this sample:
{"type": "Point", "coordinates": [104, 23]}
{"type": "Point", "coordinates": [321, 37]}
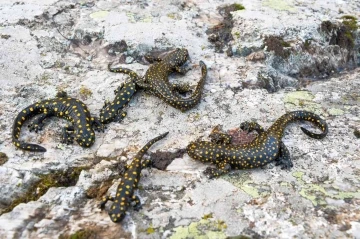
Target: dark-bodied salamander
{"type": "Point", "coordinates": [157, 83]}
{"type": "Point", "coordinates": [262, 150]}
{"type": "Point", "coordinates": [125, 191]}
{"type": "Point", "coordinates": [73, 110]}
{"type": "Point", "coordinates": [113, 112]}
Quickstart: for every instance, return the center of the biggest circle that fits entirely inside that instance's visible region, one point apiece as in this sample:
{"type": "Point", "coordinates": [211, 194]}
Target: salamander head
{"type": "Point", "coordinates": [177, 57]}
{"type": "Point", "coordinates": [106, 115]}
{"type": "Point", "coordinates": [84, 136]}
{"type": "Point", "coordinates": [202, 151]}
{"type": "Point", "coordinates": [116, 214]}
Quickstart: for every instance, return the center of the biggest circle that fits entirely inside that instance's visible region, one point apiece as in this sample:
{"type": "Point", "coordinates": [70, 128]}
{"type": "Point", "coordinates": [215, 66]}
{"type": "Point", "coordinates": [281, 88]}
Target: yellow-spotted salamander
{"type": "Point", "coordinates": [113, 112]}
{"type": "Point", "coordinates": [157, 83]}
{"type": "Point", "coordinates": [265, 148]}
{"type": "Point", "coordinates": [129, 182]}
{"type": "Point", "coordinates": [73, 110]}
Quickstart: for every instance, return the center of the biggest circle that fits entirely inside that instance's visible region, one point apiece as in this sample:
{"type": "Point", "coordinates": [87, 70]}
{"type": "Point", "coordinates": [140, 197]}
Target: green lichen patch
{"type": "Point", "coordinates": [277, 45]}
{"type": "Point", "coordinates": [281, 5]}
{"type": "Point", "coordinates": [243, 181]}
{"type": "Point", "coordinates": [99, 14]}
{"type": "Point", "coordinates": [304, 100]}
{"type": "Point", "coordinates": [335, 111]}
{"type": "Point", "coordinates": [3, 158]}
{"type": "Point", "coordinates": [55, 179]}
{"type": "Point", "coordinates": [318, 193]}
{"type": "Point", "coordinates": [203, 229]}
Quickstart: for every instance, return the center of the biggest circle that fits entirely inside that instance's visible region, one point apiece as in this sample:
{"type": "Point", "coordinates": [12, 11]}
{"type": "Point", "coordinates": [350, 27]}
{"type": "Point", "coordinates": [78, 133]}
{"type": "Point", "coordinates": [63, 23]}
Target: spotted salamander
{"type": "Point", "coordinates": [125, 191]}
{"type": "Point", "coordinates": [157, 83]}
{"type": "Point", "coordinates": [113, 112]}
{"type": "Point", "coordinates": [265, 148]}
{"type": "Point", "coordinates": [73, 110]}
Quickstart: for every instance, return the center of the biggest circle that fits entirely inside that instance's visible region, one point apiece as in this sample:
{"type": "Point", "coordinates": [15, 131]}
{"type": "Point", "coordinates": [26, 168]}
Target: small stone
{"type": "Point", "coordinates": [256, 56]}
{"type": "Point", "coordinates": [129, 60]}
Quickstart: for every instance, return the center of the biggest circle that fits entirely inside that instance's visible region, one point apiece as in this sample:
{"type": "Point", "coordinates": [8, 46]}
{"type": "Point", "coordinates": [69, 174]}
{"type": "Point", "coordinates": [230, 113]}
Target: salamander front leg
{"type": "Point", "coordinates": [119, 88]}
{"type": "Point", "coordinates": [120, 116]}
{"type": "Point", "coordinates": [37, 123]}
{"type": "Point", "coordinates": [182, 69]}
{"type": "Point", "coordinates": [251, 126]}
{"type": "Point", "coordinates": [151, 59]}
{"type": "Point", "coordinates": [284, 158]}
{"type": "Point", "coordinates": [105, 200]}
{"type": "Point", "coordinates": [146, 163]}
{"type": "Point", "coordinates": [220, 138]}
{"type": "Point", "coordinates": [135, 202]}
{"type": "Point", "coordinates": [106, 104]}
{"type": "Point", "coordinates": [97, 125]}
{"type": "Point", "coordinates": [67, 135]}
{"type": "Point", "coordinates": [221, 168]}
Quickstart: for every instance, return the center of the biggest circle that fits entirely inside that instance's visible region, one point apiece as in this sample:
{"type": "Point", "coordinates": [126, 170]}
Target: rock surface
{"type": "Point", "coordinates": [66, 45]}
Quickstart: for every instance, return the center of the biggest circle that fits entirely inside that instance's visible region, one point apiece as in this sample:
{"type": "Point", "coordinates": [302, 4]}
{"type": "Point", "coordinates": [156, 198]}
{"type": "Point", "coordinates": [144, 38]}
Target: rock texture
{"type": "Point", "coordinates": [277, 56]}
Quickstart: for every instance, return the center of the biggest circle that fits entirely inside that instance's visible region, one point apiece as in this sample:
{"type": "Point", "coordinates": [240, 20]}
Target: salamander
{"type": "Point", "coordinates": [113, 112]}
{"type": "Point", "coordinates": [129, 182]}
{"type": "Point", "coordinates": [265, 148]}
{"type": "Point", "coordinates": [157, 83]}
{"type": "Point", "coordinates": [62, 106]}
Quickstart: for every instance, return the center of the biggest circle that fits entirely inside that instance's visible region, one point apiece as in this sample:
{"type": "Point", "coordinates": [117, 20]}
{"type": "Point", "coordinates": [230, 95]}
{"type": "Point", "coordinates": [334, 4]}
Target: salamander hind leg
{"type": "Point", "coordinates": [221, 168]}
{"type": "Point", "coordinates": [105, 200]}
{"type": "Point", "coordinates": [67, 135]}
{"type": "Point", "coordinates": [284, 158]}
{"type": "Point", "coordinates": [181, 88]}
{"type": "Point", "coordinates": [37, 123]}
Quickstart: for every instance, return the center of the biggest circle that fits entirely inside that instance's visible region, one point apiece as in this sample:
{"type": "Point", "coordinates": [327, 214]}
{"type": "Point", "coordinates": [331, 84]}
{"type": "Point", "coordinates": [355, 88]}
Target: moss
{"type": "Point", "coordinates": [82, 234]}
{"type": "Point", "coordinates": [85, 92]}
{"type": "Point", "coordinates": [342, 34]}
{"type": "Point", "coordinates": [238, 6]}
{"type": "Point", "coordinates": [277, 45]}
{"type": "Point", "coordinates": [350, 22]}
{"type": "Point", "coordinates": [3, 158]}
{"type": "Point", "coordinates": [55, 179]}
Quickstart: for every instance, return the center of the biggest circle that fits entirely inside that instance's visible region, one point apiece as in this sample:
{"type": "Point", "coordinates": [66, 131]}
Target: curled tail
{"type": "Point", "coordinates": [141, 153]}
{"type": "Point", "coordinates": [187, 103]}
{"type": "Point", "coordinates": [20, 119]}
{"type": "Point", "coordinates": [126, 71]}
{"type": "Point", "coordinates": [305, 116]}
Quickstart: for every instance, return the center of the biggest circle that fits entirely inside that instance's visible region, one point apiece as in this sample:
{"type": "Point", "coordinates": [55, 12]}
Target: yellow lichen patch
{"type": "Point", "coordinates": [85, 92]}
{"type": "Point", "coordinates": [203, 229]}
